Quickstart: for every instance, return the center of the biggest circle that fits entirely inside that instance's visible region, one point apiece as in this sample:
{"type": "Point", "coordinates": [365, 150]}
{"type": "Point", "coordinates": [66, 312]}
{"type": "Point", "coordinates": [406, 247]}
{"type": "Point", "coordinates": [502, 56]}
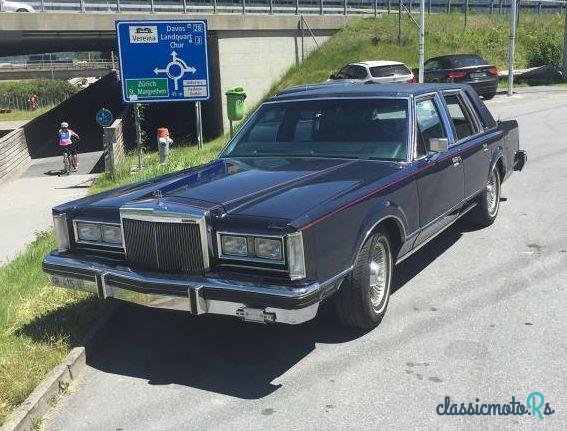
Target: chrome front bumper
{"type": "Point", "coordinates": [246, 300]}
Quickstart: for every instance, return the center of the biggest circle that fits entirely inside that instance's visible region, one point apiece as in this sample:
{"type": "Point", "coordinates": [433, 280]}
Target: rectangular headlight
{"type": "Point", "coordinates": [111, 234]}
{"type": "Point", "coordinates": [268, 248]}
{"type": "Point", "coordinates": [234, 245]}
{"type": "Point", "coordinates": [91, 232]}
{"type": "Point", "coordinates": [61, 232]}
{"type": "Point", "coordinates": [295, 256]}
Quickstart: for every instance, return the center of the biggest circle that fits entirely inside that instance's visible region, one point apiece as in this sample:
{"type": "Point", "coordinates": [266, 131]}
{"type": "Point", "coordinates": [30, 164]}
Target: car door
{"type": "Point", "coordinates": [470, 140]}
{"type": "Point", "coordinates": [440, 179]}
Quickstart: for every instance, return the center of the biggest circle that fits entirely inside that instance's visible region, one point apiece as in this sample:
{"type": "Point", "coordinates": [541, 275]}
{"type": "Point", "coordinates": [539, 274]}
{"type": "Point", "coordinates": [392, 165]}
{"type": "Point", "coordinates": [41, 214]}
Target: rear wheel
{"type": "Point", "coordinates": [22, 10]}
{"type": "Point", "coordinates": [488, 96]}
{"type": "Point", "coordinates": [488, 205]}
{"type": "Point", "coordinates": [362, 300]}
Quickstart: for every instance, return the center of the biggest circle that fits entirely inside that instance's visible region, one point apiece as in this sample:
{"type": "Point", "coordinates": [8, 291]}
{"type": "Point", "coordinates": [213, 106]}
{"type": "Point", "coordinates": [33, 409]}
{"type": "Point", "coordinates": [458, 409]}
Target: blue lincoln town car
{"type": "Point", "coordinates": [316, 198]}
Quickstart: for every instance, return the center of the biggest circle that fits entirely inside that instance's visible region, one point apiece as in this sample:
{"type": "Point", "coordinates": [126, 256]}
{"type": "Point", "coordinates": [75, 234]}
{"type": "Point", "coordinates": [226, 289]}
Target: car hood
{"type": "Point", "coordinates": [275, 188]}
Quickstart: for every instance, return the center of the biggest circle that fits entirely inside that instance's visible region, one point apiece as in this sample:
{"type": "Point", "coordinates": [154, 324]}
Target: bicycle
{"type": "Point", "coordinates": [68, 161]}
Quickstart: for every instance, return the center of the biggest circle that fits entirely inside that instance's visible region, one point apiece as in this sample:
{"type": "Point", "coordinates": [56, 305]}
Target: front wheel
{"type": "Point", "coordinates": [488, 204]}
{"type": "Point", "coordinates": [362, 300]}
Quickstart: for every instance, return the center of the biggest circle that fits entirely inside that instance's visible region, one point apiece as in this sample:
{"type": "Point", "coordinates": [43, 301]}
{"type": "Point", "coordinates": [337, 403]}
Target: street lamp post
{"type": "Point", "coordinates": [511, 48]}
{"type": "Point", "coordinates": [421, 38]}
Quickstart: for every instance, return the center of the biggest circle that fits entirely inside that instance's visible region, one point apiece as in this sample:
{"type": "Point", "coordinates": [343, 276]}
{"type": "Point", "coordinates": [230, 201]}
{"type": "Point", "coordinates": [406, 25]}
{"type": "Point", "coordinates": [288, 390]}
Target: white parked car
{"type": "Point", "coordinates": [14, 6]}
{"type": "Point", "coordinates": [371, 72]}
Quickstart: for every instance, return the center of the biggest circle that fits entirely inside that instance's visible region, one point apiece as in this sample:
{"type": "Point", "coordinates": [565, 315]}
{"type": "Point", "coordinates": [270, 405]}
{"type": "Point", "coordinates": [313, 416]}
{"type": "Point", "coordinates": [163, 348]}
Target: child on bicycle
{"type": "Point", "coordinates": [67, 140]}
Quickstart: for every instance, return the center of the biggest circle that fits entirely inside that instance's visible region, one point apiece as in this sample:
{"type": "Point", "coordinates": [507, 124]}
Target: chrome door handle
{"type": "Point", "coordinates": [457, 160]}
{"type": "Point", "coordinates": [484, 147]}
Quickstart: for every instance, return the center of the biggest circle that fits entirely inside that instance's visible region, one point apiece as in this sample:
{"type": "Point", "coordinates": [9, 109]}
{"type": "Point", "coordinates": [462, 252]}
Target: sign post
{"type": "Point", "coordinates": [163, 62]}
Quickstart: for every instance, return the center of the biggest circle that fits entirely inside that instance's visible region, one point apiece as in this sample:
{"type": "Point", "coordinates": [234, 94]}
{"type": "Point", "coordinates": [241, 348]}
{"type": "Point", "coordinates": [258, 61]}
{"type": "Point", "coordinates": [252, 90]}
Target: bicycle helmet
{"type": "Point", "coordinates": [64, 125]}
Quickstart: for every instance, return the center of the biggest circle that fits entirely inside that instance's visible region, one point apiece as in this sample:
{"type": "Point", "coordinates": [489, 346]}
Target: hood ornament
{"type": "Point", "coordinates": [157, 194]}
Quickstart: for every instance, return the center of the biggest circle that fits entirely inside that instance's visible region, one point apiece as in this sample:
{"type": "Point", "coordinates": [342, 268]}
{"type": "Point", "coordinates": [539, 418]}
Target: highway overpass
{"type": "Point", "coordinates": [245, 50]}
{"type": "Point", "coordinates": [22, 33]}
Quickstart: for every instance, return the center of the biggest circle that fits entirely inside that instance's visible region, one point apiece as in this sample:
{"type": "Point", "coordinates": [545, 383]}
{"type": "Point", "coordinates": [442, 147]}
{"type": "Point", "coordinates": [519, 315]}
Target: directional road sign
{"type": "Point", "coordinates": [163, 61]}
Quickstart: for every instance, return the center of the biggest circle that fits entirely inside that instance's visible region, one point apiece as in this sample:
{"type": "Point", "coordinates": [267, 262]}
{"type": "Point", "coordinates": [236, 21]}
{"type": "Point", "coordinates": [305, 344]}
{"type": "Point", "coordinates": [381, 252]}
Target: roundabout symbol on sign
{"type": "Point", "coordinates": [175, 69]}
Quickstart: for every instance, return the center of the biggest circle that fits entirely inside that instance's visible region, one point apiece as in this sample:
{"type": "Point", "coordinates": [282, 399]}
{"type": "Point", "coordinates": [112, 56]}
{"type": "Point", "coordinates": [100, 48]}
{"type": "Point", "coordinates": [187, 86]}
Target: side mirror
{"type": "Point", "coordinates": [439, 145]}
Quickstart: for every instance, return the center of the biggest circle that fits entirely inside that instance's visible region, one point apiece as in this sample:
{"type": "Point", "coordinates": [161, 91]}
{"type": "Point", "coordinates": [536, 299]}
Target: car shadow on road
{"type": "Point", "coordinates": [221, 354]}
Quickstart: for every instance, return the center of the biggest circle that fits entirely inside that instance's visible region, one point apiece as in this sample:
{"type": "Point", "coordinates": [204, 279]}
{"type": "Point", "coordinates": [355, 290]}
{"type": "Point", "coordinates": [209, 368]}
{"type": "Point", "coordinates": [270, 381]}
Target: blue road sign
{"type": "Point", "coordinates": [104, 117]}
{"type": "Point", "coordinates": [163, 61]}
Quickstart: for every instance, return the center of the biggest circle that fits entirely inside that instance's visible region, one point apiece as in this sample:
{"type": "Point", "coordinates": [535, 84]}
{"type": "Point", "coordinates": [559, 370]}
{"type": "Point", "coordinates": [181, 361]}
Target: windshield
{"type": "Point", "coordinates": [344, 128]}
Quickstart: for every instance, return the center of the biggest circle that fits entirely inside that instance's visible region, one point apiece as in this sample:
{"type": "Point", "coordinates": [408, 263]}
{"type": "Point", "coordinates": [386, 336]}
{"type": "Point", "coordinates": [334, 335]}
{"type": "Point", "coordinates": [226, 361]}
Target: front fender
{"type": "Point", "coordinates": [385, 210]}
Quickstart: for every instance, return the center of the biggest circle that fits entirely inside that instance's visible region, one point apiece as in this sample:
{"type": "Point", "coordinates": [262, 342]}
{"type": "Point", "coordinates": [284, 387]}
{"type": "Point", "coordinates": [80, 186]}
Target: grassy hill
{"type": "Point", "coordinates": [539, 41]}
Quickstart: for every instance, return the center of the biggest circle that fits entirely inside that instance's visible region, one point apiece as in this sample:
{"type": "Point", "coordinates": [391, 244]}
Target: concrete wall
{"type": "Point", "coordinates": [13, 153]}
{"type": "Point", "coordinates": [113, 138]}
{"type": "Point", "coordinates": [257, 59]}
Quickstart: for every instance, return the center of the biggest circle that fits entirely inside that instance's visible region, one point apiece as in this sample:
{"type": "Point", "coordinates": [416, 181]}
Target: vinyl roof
{"type": "Point", "coordinates": [346, 89]}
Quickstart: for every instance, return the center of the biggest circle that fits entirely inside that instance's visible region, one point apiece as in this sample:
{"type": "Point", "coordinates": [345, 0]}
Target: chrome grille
{"type": "Point", "coordinates": [164, 247]}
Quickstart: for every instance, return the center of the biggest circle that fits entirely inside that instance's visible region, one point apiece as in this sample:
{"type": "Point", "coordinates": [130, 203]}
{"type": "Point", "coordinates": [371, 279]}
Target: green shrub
{"type": "Point", "coordinates": [546, 49]}
{"type": "Point", "coordinates": [52, 90]}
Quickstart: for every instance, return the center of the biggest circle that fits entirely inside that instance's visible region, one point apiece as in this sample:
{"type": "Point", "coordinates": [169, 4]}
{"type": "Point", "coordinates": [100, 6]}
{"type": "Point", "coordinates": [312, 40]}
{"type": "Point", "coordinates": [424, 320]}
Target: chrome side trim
{"type": "Point", "coordinates": [449, 211]}
{"type": "Point", "coordinates": [412, 251]}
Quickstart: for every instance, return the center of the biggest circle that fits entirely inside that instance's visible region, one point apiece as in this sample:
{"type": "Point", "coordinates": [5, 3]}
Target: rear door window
{"type": "Point", "coordinates": [463, 123]}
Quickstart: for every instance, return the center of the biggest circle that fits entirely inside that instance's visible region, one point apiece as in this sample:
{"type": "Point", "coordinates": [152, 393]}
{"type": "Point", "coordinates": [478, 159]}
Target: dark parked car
{"type": "Point", "coordinates": [316, 198]}
{"type": "Point", "coordinates": [465, 69]}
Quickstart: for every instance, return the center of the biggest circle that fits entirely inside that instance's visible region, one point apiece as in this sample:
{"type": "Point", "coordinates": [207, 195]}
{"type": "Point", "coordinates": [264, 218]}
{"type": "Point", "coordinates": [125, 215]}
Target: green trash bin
{"type": "Point", "coordinates": [235, 103]}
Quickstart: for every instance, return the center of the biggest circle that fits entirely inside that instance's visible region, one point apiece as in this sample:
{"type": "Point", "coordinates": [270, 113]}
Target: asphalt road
{"type": "Point", "coordinates": [476, 314]}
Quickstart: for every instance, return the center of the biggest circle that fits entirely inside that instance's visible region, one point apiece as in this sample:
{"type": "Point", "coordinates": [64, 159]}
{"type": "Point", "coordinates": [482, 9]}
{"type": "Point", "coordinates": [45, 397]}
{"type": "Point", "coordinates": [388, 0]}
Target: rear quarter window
{"type": "Point", "coordinates": [383, 71]}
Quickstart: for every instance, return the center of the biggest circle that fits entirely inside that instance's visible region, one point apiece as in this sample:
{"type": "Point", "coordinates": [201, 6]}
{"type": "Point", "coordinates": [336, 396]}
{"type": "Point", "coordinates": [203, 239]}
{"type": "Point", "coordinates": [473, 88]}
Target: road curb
{"type": "Point", "coordinates": [57, 380]}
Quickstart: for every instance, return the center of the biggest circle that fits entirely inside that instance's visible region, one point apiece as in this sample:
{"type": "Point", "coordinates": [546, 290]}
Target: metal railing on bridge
{"type": "Point", "coordinates": [56, 66]}
{"type": "Point", "coordinates": [321, 7]}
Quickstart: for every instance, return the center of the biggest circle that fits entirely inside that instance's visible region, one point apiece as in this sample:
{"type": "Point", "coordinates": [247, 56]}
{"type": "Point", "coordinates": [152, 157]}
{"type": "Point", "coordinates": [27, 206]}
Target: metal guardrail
{"type": "Point", "coordinates": [55, 66]}
{"type": "Point", "coordinates": [320, 7]}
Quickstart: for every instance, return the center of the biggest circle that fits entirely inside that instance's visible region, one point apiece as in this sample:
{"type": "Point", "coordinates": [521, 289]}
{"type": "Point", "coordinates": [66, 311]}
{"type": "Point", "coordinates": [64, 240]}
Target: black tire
{"type": "Point", "coordinates": [486, 211]}
{"type": "Point", "coordinates": [22, 10]}
{"type": "Point", "coordinates": [356, 304]}
{"type": "Point", "coordinates": [488, 96]}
